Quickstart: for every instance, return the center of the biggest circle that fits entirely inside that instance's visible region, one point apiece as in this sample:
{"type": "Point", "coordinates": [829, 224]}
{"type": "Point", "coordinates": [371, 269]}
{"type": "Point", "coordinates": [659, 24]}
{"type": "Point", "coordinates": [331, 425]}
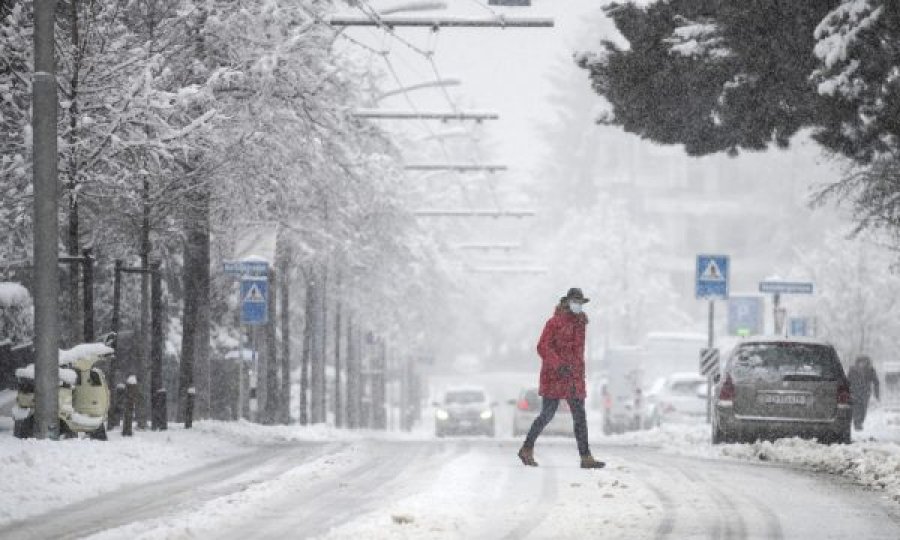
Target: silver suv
{"type": "Point", "coordinates": [778, 387]}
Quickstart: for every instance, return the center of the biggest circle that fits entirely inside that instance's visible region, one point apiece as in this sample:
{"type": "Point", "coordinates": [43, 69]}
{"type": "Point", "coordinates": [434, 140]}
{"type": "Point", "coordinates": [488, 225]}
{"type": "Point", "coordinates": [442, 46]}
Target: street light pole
{"type": "Point", "coordinates": [46, 227]}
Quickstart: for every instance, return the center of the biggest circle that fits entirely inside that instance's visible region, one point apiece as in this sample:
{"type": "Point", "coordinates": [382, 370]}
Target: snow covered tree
{"type": "Point", "coordinates": [856, 303]}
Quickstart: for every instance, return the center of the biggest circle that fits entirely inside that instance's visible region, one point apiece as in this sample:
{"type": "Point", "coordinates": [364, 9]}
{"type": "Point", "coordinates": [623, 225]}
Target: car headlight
{"type": "Point", "coordinates": [441, 414]}
{"type": "Point", "coordinates": [485, 415]}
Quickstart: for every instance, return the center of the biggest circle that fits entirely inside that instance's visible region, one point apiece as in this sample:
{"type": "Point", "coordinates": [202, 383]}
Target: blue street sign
{"type": "Point", "coordinates": [799, 326]}
{"type": "Point", "coordinates": [245, 268]}
{"type": "Point", "coordinates": [712, 276]}
{"type": "Point", "coordinates": [785, 287]}
{"type": "Point", "coordinates": [254, 301]}
{"type": "Point", "coordinates": [745, 315]}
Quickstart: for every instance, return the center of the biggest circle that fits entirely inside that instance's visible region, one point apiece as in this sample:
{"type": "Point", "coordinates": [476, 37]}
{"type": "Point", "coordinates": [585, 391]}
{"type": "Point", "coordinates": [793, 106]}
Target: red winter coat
{"type": "Point", "coordinates": [562, 344]}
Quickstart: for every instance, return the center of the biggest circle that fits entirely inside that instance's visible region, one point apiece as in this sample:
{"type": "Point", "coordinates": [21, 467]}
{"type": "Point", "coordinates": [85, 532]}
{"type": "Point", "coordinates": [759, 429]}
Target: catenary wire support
{"type": "Point", "coordinates": [443, 22]}
{"type": "Point", "coordinates": [476, 213]}
{"type": "Point", "coordinates": [477, 116]}
{"type": "Point", "coordinates": [456, 167]}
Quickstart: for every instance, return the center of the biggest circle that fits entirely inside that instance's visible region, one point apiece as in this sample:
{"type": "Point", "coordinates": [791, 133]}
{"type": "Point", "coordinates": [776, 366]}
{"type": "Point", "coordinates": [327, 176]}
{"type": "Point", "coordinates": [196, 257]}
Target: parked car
{"type": "Point", "coordinates": [464, 411]}
{"type": "Point", "coordinates": [678, 398]}
{"type": "Point", "coordinates": [778, 387]}
{"type": "Point", "coordinates": [528, 407]}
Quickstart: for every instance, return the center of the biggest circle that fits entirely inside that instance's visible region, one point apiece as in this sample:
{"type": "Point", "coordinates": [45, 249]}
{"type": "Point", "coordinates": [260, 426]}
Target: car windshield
{"type": "Point", "coordinates": [462, 397]}
{"type": "Point", "coordinates": [789, 361]}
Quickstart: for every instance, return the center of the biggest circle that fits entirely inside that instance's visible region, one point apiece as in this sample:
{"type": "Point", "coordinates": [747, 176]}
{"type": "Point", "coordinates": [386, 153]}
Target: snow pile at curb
{"type": "Point", "coordinates": [873, 465]}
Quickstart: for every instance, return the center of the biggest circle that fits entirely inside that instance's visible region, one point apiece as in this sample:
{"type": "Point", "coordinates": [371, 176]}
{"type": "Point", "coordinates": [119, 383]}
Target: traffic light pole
{"type": "Point", "coordinates": [46, 226]}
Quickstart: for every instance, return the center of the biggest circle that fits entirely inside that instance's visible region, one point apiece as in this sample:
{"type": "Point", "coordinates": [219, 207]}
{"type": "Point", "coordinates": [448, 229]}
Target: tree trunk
{"type": "Point", "coordinates": [193, 281]}
{"type": "Point", "coordinates": [273, 402]}
{"type": "Point", "coordinates": [338, 409]}
{"type": "Point", "coordinates": [307, 352]}
{"type": "Point", "coordinates": [317, 349]}
{"type": "Point", "coordinates": [379, 388]}
{"type": "Point", "coordinates": [353, 387]}
{"type": "Point", "coordinates": [73, 309]}
{"type": "Point", "coordinates": [142, 407]}
{"type": "Point", "coordinates": [284, 294]}
{"type": "Point", "coordinates": [203, 368]}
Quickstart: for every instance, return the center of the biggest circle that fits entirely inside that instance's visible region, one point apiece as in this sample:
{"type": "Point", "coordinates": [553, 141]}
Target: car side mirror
{"type": "Point", "coordinates": [717, 377]}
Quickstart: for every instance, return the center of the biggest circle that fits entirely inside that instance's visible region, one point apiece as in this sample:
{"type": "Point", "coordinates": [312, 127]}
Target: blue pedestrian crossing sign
{"type": "Point", "coordinates": [712, 276]}
{"type": "Point", "coordinates": [254, 301]}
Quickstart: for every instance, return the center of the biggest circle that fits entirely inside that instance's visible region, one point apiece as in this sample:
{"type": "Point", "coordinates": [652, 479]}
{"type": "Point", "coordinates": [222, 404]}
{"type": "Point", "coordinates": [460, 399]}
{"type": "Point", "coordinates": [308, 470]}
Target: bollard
{"type": "Point", "coordinates": [189, 408]}
{"type": "Point", "coordinates": [159, 416]}
{"type": "Point", "coordinates": [130, 399]}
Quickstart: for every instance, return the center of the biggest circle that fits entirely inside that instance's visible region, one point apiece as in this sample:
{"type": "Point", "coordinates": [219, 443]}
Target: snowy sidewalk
{"type": "Point", "coordinates": [39, 476]}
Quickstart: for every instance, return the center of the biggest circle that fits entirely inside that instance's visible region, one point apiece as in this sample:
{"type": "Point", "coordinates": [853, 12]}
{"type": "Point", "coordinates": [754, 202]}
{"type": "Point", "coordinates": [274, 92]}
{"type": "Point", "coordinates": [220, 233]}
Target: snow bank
{"type": "Point", "coordinates": [870, 463]}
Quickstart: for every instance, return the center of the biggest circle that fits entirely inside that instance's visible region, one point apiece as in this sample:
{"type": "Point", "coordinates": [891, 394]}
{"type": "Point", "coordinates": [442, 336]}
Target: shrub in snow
{"type": "Point", "coordinates": [16, 313]}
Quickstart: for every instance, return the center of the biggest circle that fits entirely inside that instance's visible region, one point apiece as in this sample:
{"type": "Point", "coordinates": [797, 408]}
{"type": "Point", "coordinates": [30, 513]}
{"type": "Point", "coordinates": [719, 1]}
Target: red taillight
{"type": "Point", "coordinates": [843, 394]}
{"type": "Point", "coordinates": [522, 404]}
{"type": "Point", "coordinates": [607, 402]}
{"type": "Point", "coordinates": [726, 393]}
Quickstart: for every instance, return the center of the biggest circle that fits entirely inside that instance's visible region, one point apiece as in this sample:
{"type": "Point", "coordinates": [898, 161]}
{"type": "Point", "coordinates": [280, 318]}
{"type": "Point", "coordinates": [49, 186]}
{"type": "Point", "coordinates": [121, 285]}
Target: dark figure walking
{"type": "Point", "coordinates": [862, 379]}
{"type": "Point", "coordinates": [561, 348]}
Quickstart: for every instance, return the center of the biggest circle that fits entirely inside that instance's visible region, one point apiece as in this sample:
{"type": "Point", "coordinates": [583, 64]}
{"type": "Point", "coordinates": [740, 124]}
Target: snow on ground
{"type": "Point", "coordinates": [41, 475]}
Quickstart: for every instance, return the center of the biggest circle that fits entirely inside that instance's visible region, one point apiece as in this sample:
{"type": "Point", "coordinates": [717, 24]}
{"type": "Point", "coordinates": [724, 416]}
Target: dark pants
{"type": "Point", "coordinates": [860, 407]}
{"type": "Point", "coordinates": [548, 410]}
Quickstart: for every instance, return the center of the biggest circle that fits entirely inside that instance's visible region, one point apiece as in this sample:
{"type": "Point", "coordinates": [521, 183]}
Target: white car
{"type": "Point", "coordinates": [464, 411]}
{"type": "Point", "coordinates": [678, 398]}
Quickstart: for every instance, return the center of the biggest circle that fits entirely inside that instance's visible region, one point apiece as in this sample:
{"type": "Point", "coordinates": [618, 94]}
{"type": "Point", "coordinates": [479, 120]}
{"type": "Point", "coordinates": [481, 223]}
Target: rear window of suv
{"type": "Point", "coordinates": [787, 361]}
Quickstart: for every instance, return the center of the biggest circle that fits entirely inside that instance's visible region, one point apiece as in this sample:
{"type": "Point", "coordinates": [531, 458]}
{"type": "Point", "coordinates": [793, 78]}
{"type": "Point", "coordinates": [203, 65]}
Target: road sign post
{"type": "Point", "coordinates": [712, 283]}
{"type": "Point", "coordinates": [776, 287]}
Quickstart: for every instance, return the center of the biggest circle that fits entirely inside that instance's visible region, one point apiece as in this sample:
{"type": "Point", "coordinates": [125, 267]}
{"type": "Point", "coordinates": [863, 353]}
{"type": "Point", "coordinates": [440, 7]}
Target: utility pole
{"type": "Point", "coordinates": [46, 226]}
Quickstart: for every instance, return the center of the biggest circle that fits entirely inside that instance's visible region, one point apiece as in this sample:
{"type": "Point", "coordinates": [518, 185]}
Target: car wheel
{"type": "Point", "coordinates": [718, 437]}
{"type": "Point", "coordinates": [65, 432]}
{"type": "Point", "coordinates": [24, 429]}
{"type": "Point", "coordinates": [100, 433]}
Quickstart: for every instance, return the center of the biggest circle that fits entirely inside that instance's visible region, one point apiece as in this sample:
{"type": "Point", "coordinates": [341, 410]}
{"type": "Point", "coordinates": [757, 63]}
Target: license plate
{"type": "Point", "coordinates": [783, 399]}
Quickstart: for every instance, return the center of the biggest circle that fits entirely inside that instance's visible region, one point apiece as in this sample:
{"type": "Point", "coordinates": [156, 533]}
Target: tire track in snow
{"type": "Point", "coordinates": [139, 502]}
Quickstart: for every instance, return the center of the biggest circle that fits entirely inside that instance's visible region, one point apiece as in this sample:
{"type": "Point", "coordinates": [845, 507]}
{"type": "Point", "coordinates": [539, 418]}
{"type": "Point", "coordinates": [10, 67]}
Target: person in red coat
{"type": "Point", "coordinates": [561, 349]}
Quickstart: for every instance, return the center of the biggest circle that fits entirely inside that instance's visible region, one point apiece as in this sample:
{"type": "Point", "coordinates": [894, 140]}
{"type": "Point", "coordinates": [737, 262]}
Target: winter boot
{"type": "Point", "coordinates": [588, 462]}
{"type": "Point", "coordinates": [527, 456]}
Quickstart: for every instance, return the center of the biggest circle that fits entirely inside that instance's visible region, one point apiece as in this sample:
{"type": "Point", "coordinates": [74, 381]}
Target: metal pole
{"type": "Point", "coordinates": [88, 286]}
{"type": "Point", "coordinates": [776, 305]}
{"type": "Point", "coordinates": [46, 226]}
{"type": "Point", "coordinates": [710, 343]}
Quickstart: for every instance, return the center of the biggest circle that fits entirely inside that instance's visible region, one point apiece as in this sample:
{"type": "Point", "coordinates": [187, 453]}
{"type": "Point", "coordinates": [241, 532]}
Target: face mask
{"type": "Point", "coordinates": [575, 307]}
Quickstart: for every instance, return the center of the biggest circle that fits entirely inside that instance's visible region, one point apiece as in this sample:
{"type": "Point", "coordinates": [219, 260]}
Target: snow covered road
{"type": "Point", "coordinates": [475, 488]}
